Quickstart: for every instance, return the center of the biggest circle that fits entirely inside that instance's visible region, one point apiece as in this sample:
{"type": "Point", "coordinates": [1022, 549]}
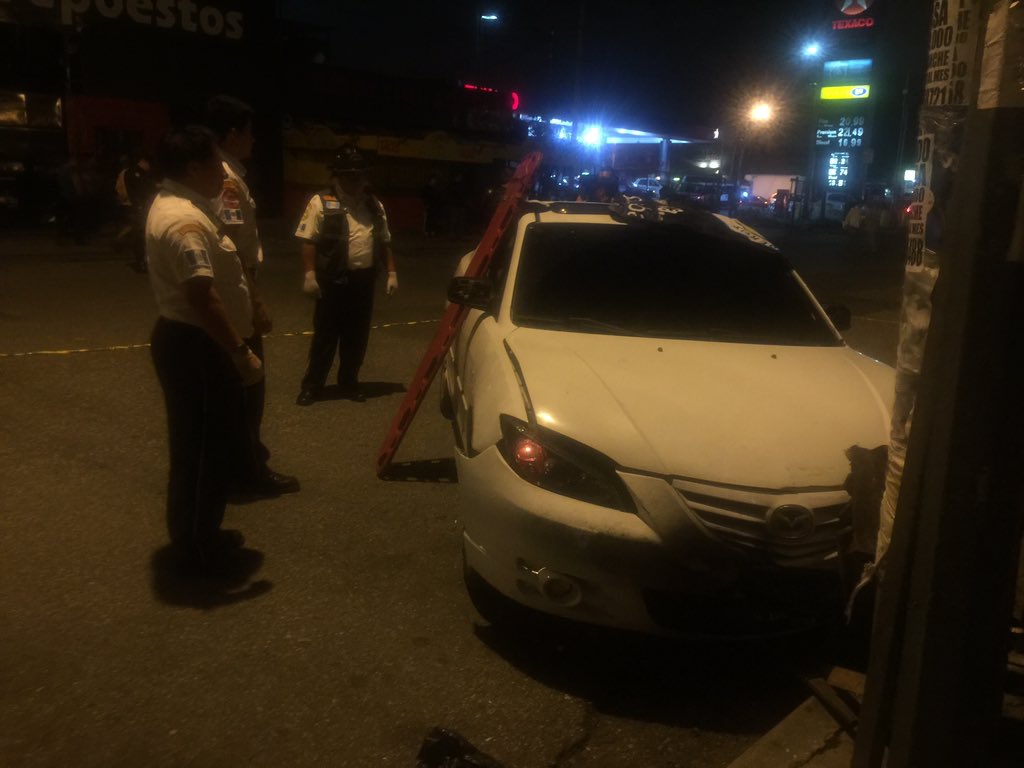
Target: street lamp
{"type": "Point", "coordinates": [758, 116]}
{"type": "Point", "coordinates": [484, 18]}
{"type": "Point", "coordinates": [811, 50]}
{"type": "Point", "coordinates": [761, 112]}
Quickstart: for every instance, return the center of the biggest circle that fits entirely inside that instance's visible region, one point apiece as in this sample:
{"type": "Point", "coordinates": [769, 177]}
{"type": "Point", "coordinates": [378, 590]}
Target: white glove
{"type": "Point", "coordinates": [249, 367]}
{"type": "Point", "coordinates": [392, 283]}
{"type": "Point", "coordinates": [310, 286]}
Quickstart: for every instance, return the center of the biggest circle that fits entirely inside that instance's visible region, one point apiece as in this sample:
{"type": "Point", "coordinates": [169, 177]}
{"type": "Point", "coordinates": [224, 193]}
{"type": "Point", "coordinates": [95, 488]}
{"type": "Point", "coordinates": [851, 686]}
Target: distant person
{"type": "Point", "coordinates": [124, 206]}
{"type": "Point", "coordinates": [854, 217]}
{"type": "Point", "coordinates": [459, 216]}
{"type": "Point", "coordinates": [345, 240]}
{"type": "Point", "coordinates": [231, 123]}
{"type": "Point", "coordinates": [433, 207]}
{"type": "Point", "coordinates": [870, 224]}
{"type": "Point", "coordinates": [140, 188]}
{"type": "Point", "coordinates": [68, 206]}
{"type": "Point", "coordinates": [601, 188]}
{"type": "Point", "coordinates": [197, 344]}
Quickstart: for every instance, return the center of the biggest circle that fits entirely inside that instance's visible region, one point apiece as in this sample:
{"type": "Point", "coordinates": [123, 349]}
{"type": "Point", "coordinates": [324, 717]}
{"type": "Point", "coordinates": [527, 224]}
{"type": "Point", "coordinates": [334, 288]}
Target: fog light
{"type": "Point", "coordinates": [559, 588]}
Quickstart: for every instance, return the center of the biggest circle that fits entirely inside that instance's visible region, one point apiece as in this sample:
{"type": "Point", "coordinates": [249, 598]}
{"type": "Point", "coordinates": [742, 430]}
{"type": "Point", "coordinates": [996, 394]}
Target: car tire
{"type": "Point", "coordinates": [494, 607]}
{"type": "Point", "coordinates": [447, 408]}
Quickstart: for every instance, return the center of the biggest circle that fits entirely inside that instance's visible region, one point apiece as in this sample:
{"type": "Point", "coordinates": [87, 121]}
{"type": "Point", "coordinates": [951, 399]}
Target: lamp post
{"type": "Point", "coordinates": [483, 17]}
{"type": "Point", "coordinates": [811, 54]}
{"type": "Point", "coordinates": [757, 116]}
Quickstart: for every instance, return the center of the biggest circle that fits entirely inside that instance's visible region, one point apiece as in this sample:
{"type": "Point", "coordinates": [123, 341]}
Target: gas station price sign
{"type": "Point", "coordinates": [844, 131]}
{"type": "Point", "coordinates": [838, 170]}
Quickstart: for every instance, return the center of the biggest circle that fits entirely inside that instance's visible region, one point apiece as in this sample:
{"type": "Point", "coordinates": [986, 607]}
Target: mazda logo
{"type": "Point", "coordinates": [791, 522]}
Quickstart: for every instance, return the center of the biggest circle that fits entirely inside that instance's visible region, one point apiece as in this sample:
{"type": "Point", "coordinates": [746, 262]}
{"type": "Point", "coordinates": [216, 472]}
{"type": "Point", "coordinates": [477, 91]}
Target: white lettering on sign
{"type": "Point", "coordinates": [921, 204]}
{"type": "Point", "coordinates": [853, 23]}
{"type": "Point", "coordinates": [165, 14]}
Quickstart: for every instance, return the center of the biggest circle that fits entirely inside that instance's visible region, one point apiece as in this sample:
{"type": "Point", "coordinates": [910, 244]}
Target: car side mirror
{"type": "Point", "coordinates": [472, 292]}
{"type": "Point", "coordinates": [839, 314]}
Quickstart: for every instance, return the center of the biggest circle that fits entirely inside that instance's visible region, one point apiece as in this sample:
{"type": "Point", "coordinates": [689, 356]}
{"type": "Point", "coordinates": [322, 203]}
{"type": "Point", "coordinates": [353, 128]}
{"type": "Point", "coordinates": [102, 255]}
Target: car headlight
{"type": "Point", "coordinates": [562, 465]}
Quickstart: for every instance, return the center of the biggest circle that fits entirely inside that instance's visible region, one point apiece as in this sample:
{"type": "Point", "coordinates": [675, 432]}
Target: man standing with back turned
{"type": "Point", "coordinates": [198, 342]}
{"type": "Point", "coordinates": [345, 237]}
{"type": "Point", "coordinates": [231, 122]}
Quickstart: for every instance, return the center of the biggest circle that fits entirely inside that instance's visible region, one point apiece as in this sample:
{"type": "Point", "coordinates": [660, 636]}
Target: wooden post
{"type": "Point", "coordinates": [938, 664]}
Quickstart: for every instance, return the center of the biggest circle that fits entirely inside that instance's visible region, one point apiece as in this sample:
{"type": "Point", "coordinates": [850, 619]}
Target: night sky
{"type": "Point", "coordinates": [651, 64]}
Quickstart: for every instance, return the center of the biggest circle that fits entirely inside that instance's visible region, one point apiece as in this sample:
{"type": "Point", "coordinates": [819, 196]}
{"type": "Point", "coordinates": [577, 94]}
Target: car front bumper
{"type": "Point", "coordinates": [605, 566]}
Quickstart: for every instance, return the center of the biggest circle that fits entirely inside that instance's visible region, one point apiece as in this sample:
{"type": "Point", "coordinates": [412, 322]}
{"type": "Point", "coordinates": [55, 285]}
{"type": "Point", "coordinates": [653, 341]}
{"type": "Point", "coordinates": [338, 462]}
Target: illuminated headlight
{"type": "Point", "coordinates": [562, 465]}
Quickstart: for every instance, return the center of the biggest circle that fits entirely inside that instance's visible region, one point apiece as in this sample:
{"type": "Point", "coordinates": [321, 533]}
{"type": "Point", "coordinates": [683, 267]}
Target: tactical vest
{"type": "Point", "coordinates": [332, 247]}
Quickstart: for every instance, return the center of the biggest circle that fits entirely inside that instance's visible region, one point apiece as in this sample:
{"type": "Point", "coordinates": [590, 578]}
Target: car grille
{"type": "Point", "coordinates": [740, 517]}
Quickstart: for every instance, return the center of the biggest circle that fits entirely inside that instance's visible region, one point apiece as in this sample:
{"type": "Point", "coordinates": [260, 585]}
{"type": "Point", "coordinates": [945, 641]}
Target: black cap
{"type": "Point", "coordinates": [348, 159]}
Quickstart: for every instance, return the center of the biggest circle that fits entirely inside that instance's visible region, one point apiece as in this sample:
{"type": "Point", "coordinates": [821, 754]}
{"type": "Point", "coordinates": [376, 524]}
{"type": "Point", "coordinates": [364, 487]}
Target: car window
{"type": "Point", "coordinates": [663, 282]}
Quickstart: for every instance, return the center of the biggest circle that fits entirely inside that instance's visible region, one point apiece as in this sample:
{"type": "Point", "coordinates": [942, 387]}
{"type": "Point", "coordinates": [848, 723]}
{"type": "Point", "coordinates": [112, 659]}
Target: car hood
{"type": "Point", "coordinates": [772, 417]}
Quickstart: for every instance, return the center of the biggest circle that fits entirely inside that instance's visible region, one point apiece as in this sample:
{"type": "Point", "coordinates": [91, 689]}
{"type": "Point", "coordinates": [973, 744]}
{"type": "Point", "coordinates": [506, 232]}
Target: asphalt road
{"type": "Point", "coordinates": [352, 635]}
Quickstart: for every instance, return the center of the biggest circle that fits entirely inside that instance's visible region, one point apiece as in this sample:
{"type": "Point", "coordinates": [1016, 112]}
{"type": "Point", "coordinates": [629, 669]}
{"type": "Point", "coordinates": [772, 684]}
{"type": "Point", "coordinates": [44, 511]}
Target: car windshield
{"type": "Point", "coordinates": [662, 282]}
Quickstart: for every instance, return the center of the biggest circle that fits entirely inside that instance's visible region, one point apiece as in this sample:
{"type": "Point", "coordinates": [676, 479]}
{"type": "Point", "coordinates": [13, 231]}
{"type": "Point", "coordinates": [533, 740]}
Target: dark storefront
{"type": "Point", "coordinates": [88, 82]}
{"type": "Point", "coordinates": [102, 79]}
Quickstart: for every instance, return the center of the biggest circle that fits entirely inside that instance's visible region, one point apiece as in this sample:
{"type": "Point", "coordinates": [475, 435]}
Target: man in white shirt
{"type": "Point", "coordinates": [345, 240]}
{"type": "Point", "coordinates": [231, 122]}
{"type": "Point", "coordinates": [197, 345]}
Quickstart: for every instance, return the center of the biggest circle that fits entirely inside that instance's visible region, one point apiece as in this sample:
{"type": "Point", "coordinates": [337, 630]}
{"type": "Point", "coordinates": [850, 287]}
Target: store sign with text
{"type": "Point", "coordinates": [854, 14]}
{"type": "Point", "coordinates": [201, 17]}
{"type": "Point", "coordinates": [841, 92]}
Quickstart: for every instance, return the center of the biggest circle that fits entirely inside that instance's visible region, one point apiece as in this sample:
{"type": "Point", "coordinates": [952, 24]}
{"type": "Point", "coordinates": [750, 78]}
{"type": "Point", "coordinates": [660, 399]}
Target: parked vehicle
{"type": "Point", "coordinates": [647, 185]}
{"type": "Point", "coordinates": [651, 414]}
{"type": "Point", "coordinates": [835, 208]}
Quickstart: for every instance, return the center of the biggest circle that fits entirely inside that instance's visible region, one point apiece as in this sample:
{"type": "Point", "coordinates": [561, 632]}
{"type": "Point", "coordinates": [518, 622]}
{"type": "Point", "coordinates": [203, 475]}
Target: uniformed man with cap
{"type": "Point", "coordinates": [197, 344]}
{"type": "Point", "coordinates": [345, 241]}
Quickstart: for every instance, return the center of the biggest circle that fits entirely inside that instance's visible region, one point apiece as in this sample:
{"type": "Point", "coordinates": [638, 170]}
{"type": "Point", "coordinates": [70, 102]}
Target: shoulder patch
{"type": "Point", "coordinates": [197, 258]}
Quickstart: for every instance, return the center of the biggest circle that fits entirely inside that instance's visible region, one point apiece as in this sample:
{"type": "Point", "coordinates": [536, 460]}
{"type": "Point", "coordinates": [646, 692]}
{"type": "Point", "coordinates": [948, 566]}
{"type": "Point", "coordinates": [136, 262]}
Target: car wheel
{"type": "Point", "coordinates": [491, 604]}
{"type": "Point", "coordinates": [447, 409]}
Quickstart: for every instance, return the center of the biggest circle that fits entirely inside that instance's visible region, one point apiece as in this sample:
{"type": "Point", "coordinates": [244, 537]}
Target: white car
{"type": "Point", "coordinates": [648, 185]}
{"type": "Point", "coordinates": [651, 413]}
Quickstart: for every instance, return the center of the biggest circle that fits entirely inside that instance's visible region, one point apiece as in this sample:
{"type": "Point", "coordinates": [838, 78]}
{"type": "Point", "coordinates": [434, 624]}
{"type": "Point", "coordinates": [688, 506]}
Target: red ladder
{"type": "Point", "coordinates": [453, 317]}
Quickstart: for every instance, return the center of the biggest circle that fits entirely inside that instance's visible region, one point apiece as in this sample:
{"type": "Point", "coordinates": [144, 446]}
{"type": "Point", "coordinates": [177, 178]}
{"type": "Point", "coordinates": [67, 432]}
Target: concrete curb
{"type": "Point", "coordinates": [808, 738]}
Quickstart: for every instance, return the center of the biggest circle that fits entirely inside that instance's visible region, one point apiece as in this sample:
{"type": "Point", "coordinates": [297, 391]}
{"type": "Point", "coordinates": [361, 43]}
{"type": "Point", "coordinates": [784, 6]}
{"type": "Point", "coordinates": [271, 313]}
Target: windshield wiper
{"type": "Point", "coordinates": [591, 322]}
{"type": "Point", "coordinates": [573, 321]}
{"type": "Point", "coordinates": [701, 334]}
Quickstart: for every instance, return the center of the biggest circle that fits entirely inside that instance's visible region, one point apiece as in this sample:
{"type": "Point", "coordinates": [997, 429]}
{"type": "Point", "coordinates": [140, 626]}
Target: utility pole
{"type": "Point", "coordinates": [579, 72]}
{"type": "Point", "coordinates": [947, 580]}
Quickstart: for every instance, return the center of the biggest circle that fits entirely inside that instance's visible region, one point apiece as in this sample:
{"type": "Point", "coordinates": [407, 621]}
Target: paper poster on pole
{"type": "Point", "coordinates": [951, 51]}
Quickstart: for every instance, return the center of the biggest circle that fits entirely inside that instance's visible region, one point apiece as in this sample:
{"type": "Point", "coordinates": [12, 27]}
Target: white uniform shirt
{"type": "Point", "coordinates": [183, 242]}
{"type": "Point", "coordinates": [360, 225]}
{"type": "Point", "coordinates": [236, 211]}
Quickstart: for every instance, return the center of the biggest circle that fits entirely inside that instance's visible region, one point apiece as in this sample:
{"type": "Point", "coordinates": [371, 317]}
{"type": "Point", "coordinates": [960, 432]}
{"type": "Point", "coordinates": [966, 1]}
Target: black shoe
{"type": "Point", "coordinates": [271, 484]}
{"type": "Point", "coordinates": [306, 397]}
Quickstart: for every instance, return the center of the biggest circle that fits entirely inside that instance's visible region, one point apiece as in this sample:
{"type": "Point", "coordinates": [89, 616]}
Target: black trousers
{"type": "Point", "coordinates": [341, 321]}
{"type": "Point", "coordinates": [202, 394]}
